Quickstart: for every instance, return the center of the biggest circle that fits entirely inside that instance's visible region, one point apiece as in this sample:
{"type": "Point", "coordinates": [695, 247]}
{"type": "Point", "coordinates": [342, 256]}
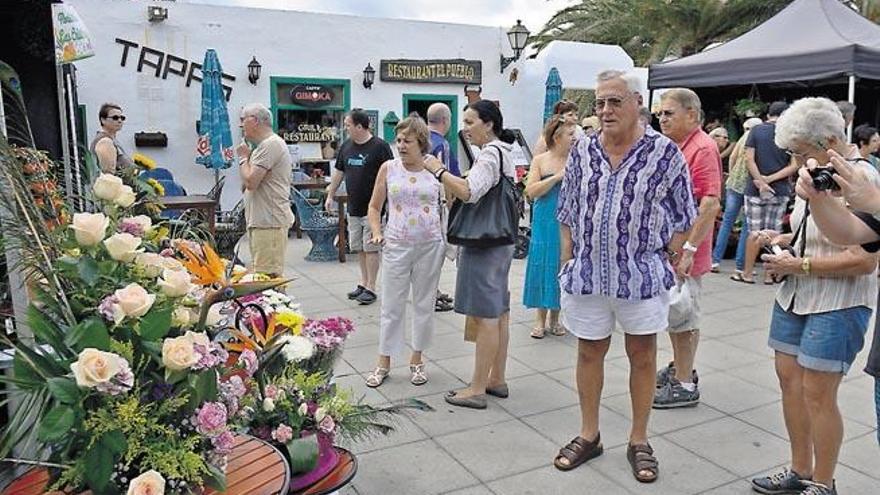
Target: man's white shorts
{"type": "Point", "coordinates": [592, 317]}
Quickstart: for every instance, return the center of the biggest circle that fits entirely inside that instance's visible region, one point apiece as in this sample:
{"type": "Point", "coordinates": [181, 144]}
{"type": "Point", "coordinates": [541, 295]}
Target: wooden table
{"type": "Point", "coordinates": [201, 202]}
{"type": "Point", "coordinates": [255, 468]}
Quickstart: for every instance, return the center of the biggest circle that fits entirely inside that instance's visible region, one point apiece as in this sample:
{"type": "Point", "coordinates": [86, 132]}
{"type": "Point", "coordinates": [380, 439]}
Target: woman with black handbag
{"type": "Point", "coordinates": [483, 221]}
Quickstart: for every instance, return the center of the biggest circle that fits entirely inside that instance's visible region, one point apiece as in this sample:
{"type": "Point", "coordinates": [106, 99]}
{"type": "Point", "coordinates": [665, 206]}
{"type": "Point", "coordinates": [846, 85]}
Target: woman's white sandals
{"type": "Point", "coordinates": [419, 377]}
{"type": "Point", "coordinates": [378, 376]}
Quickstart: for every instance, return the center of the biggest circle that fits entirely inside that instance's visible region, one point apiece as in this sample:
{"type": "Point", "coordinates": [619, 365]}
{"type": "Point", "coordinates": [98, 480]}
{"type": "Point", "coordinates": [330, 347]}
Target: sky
{"type": "Point", "coordinates": [534, 13]}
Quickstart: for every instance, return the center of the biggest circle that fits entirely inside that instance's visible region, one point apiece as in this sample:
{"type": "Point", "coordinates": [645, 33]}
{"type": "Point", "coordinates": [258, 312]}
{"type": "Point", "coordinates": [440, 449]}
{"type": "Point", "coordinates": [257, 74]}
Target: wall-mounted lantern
{"type": "Point", "coordinates": [518, 36]}
{"type": "Point", "coordinates": [254, 71]}
{"type": "Point", "coordinates": [156, 13]}
{"type": "Point", "coordinates": [369, 76]}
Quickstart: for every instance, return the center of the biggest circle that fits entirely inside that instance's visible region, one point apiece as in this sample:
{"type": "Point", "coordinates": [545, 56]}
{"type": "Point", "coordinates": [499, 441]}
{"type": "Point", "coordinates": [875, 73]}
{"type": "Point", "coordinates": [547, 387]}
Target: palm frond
{"type": "Point", "coordinates": [371, 421]}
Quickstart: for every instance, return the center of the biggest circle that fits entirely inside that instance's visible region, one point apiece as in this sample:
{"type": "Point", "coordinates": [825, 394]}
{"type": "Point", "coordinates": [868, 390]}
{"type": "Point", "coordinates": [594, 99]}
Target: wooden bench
{"type": "Point", "coordinates": [255, 468]}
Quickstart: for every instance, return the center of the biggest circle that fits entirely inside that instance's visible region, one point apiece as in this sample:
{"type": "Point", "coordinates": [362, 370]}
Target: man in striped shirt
{"type": "Point", "coordinates": [625, 203]}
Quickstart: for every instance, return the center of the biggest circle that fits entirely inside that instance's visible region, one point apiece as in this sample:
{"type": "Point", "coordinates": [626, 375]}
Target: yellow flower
{"type": "Point", "coordinates": [144, 161]}
{"type": "Point", "coordinates": [157, 186]}
{"type": "Point", "coordinates": [290, 319]}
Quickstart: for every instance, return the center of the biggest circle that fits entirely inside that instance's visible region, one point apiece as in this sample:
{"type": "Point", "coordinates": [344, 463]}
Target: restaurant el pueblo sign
{"type": "Point", "coordinates": [455, 71]}
{"type": "Point", "coordinates": [312, 95]}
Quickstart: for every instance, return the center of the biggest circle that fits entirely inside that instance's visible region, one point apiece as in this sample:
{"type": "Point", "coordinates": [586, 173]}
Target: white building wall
{"type": "Point", "coordinates": [287, 44]}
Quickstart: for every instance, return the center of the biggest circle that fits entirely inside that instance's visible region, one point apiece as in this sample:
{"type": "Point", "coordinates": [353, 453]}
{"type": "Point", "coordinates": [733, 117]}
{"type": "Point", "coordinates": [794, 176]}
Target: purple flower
{"type": "Point", "coordinates": [108, 308]}
{"type": "Point", "coordinates": [282, 434]}
{"type": "Point", "coordinates": [211, 418]}
{"type": "Point", "coordinates": [327, 425]}
{"type": "Point", "coordinates": [161, 391]}
{"type": "Point", "coordinates": [223, 442]}
{"type": "Point", "coordinates": [248, 361]}
{"type": "Point", "coordinates": [271, 392]}
{"type": "Point", "coordinates": [167, 252]}
{"type": "Point", "coordinates": [262, 432]}
{"type": "Point", "coordinates": [130, 227]}
{"type": "Point", "coordinates": [210, 356]}
{"type": "Point", "coordinates": [120, 383]}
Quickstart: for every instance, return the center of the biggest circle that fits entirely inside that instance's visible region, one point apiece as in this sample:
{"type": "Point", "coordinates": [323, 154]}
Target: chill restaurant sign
{"type": "Point", "coordinates": [454, 71]}
{"type": "Point", "coordinates": [312, 95]}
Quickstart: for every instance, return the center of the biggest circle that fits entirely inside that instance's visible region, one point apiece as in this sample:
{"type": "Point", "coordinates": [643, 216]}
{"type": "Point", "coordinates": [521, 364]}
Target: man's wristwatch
{"type": "Point", "coordinates": [689, 247]}
{"type": "Point", "coordinates": [805, 266]}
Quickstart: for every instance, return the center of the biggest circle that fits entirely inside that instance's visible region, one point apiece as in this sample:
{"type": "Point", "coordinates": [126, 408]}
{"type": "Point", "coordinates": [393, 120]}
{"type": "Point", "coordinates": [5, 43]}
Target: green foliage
{"type": "Point", "coordinates": [303, 454]}
{"type": "Point", "coordinates": [651, 30]}
{"type": "Point", "coordinates": [89, 333]}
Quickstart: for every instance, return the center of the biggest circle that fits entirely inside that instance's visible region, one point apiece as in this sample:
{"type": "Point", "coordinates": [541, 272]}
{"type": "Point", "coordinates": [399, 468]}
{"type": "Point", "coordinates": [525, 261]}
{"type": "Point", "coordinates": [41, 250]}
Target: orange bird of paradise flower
{"type": "Point", "coordinates": [259, 339]}
{"type": "Point", "coordinates": [207, 269]}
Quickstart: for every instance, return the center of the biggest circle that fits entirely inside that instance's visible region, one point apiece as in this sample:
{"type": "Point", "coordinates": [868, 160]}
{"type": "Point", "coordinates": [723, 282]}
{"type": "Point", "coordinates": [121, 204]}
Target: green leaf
{"type": "Point", "coordinates": [24, 372]}
{"type": "Point", "coordinates": [45, 331]}
{"type": "Point", "coordinates": [99, 463]}
{"type": "Point", "coordinates": [215, 479]}
{"type": "Point", "coordinates": [89, 333]}
{"type": "Point", "coordinates": [175, 376]}
{"type": "Point", "coordinates": [56, 423]}
{"type": "Point", "coordinates": [115, 441]}
{"type": "Point", "coordinates": [204, 388]}
{"type": "Point", "coordinates": [64, 390]}
{"type": "Point", "coordinates": [303, 454]}
{"type": "Point", "coordinates": [88, 270]}
{"type": "Point", "coordinates": [156, 323]}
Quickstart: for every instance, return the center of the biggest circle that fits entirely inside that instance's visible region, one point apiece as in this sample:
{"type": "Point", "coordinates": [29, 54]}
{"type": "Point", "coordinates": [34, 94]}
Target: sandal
{"type": "Point", "coordinates": [444, 297]}
{"type": "Point", "coordinates": [641, 459]}
{"type": "Point", "coordinates": [537, 333]}
{"type": "Point", "coordinates": [577, 452]}
{"type": "Point", "coordinates": [738, 277]}
{"type": "Point", "coordinates": [558, 330]}
{"type": "Point", "coordinates": [441, 305]}
{"type": "Point", "coordinates": [377, 377]}
{"type": "Point", "coordinates": [419, 377]}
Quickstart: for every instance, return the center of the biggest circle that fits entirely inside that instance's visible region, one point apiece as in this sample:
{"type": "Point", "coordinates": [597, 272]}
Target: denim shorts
{"type": "Point", "coordinates": [821, 341]}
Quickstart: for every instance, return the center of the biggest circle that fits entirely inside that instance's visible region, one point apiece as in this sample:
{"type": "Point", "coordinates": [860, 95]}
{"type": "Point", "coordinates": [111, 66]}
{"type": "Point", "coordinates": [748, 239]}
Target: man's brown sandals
{"type": "Point", "coordinates": [644, 465]}
{"type": "Point", "coordinates": [577, 452]}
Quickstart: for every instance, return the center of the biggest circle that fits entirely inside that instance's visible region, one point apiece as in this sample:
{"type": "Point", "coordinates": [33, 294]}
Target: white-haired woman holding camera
{"type": "Point", "coordinates": [822, 307]}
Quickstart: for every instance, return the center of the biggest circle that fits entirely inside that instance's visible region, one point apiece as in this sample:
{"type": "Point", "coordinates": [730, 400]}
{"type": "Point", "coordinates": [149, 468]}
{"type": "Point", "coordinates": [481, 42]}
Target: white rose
{"type": "Point", "coordinates": [134, 300]}
{"type": "Point", "coordinates": [178, 353]}
{"type": "Point", "coordinates": [151, 263]}
{"type": "Point", "coordinates": [319, 414]}
{"type": "Point", "coordinates": [175, 283]}
{"type": "Point", "coordinates": [89, 228]}
{"type": "Point", "coordinates": [108, 187]}
{"type": "Point", "coordinates": [296, 348]}
{"type": "Point", "coordinates": [122, 246]}
{"type": "Point", "coordinates": [172, 264]}
{"type": "Point", "coordinates": [198, 338]}
{"type": "Point", "coordinates": [268, 405]}
{"type": "Point", "coordinates": [126, 197]}
{"type": "Point", "coordinates": [303, 409]}
{"type": "Point", "coordinates": [141, 221]}
{"type": "Point", "coordinates": [94, 367]}
{"type": "Point", "coordinates": [149, 483]}
{"type": "Point", "coordinates": [182, 317]}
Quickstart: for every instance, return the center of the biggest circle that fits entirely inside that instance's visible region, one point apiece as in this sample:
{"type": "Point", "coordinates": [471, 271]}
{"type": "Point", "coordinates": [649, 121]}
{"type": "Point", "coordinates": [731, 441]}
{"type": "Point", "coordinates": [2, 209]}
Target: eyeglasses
{"type": "Point", "coordinates": [665, 113]}
{"type": "Point", "coordinates": [612, 102]}
{"type": "Point", "coordinates": [117, 118]}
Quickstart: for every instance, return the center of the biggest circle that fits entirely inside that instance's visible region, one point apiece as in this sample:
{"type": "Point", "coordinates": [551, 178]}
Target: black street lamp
{"type": "Point", "coordinates": [369, 76]}
{"type": "Point", "coordinates": [518, 36]}
{"type": "Point", "coordinates": [254, 71]}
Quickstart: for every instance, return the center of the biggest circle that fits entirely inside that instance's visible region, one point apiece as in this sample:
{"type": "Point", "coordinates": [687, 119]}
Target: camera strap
{"type": "Point", "coordinates": [801, 233]}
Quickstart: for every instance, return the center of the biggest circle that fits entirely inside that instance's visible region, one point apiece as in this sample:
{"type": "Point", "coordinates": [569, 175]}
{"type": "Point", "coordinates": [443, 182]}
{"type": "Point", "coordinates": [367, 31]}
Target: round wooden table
{"type": "Point", "coordinates": [255, 468]}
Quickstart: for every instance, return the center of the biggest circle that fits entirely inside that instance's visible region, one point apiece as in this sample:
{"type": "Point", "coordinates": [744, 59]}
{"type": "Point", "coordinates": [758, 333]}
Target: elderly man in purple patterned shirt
{"type": "Point", "coordinates": [625, 203]}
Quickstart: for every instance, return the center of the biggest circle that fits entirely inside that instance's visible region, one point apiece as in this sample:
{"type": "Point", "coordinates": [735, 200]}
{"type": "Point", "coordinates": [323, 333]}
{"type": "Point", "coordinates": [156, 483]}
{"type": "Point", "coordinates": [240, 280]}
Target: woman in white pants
{"type": "Point", "coordinates": [412, 248]}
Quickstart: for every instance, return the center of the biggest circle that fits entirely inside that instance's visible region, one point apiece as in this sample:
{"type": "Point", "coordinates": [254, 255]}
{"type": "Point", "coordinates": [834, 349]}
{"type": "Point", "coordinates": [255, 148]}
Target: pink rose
{"type": "Point", "coordinates": [211, 418]}
{"type": "Point", "coordinates": [271, 392]}
{"type": "Point", "coordinates": [327, 425]}
{"type": "Point", "coordinates": [223, 442]}
{"type": "Point", "coordinates": [248, 361]}
{"type": "Point", "coordinates": [282, 434]}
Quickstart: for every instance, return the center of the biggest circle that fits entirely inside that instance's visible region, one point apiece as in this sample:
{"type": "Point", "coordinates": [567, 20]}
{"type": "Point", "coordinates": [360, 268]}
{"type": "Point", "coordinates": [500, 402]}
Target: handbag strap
{"type": "Point", "coordinates": [500, 163]}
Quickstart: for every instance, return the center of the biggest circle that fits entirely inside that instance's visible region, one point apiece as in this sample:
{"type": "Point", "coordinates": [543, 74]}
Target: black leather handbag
{"type": "Point", "coordinates": [492, 221]}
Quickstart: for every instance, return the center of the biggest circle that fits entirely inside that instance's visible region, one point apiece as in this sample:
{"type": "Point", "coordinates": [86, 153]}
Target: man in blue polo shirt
{"type": "Point", "coordinates": [439, 121]}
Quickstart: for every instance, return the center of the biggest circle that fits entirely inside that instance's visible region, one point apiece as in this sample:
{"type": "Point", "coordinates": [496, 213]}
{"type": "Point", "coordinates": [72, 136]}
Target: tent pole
{"type": "Point", "coordinates": [851, 97]}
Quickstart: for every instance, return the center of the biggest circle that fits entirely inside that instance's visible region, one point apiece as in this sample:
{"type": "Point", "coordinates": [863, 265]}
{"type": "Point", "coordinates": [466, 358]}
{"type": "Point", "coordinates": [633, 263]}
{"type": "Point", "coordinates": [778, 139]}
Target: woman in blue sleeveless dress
{"type": "Point", "coordinates": [541, 289]}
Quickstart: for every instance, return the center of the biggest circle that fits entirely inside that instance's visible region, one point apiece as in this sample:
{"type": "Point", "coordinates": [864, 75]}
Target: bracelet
{"type": "Point", "coordinates": [689, 247]}
{"type": "Point", "coordinates": [439, 174]}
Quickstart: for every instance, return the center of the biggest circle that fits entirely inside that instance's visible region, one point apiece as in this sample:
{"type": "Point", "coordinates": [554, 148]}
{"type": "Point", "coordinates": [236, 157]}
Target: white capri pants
{"type": "Point", "coordinates": [405, 268]}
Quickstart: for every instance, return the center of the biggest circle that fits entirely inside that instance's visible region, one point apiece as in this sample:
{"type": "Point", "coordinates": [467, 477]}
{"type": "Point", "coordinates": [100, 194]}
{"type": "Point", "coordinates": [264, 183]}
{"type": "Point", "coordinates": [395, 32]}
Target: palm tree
{"type": "Point", "coordinates": [652, 30]}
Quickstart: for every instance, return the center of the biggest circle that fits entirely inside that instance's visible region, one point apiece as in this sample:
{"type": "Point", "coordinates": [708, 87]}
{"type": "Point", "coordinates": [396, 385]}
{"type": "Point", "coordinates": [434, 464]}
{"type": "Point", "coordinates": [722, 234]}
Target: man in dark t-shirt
{"type": "Point", "coordinates": [358, 162]}
{"type": "Point", "coordinates": [768, 193]}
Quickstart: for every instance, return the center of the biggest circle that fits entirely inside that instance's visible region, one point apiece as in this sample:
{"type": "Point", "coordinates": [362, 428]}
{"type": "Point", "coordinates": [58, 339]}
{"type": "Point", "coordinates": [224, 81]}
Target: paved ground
{"type": "Point", "coordinates": [735, 433]}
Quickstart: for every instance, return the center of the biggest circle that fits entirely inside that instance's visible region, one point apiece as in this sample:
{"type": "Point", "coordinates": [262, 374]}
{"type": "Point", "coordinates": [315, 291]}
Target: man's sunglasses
{"type": "Point", "coordinates": [118, 118]}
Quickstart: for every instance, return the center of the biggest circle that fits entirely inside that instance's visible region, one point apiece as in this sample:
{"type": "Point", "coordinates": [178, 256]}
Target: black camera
{"type": "Point", "coordinates": [823, 179]}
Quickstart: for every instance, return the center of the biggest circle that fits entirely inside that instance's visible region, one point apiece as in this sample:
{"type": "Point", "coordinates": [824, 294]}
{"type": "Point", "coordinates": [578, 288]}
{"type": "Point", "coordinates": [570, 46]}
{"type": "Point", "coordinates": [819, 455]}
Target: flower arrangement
{"type": "Point", "coordinates": [37, 170]}
{"type": "Point", "coordinates": [123, 393]}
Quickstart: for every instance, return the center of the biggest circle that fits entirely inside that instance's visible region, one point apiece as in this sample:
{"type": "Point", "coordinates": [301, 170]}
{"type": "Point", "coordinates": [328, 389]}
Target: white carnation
{"type": "Point", "coordinates": [296, 348]}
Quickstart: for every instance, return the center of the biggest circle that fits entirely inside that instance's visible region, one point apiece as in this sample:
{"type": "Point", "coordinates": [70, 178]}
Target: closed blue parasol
{"type": "Point", "coordinates": [215, 140]}
{"type": "Point", "coordinates": [554, 92]}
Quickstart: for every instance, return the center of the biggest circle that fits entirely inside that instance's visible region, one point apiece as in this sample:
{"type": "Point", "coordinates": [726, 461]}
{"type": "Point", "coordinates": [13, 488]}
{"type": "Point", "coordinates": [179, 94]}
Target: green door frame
{"type": "Point", "coordinates": [451, 101]}
{"type": "Point", "coordinates": [274, 81]}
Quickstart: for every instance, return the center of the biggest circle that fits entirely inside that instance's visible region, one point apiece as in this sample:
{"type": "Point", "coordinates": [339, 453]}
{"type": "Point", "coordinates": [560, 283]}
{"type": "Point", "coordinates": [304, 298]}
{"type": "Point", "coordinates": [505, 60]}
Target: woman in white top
{"type": "Point", "coordinates": [821, 312]}
{"type": "Point", "coordinates": [481, 286]}
{"type": "Point", "coordinates": [412, 248]}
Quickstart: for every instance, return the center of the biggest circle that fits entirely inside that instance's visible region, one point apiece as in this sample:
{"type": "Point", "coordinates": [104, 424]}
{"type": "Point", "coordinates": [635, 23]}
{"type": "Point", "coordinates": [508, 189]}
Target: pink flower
{"type": "Point", "coordinates": [282, 434]}
{"type": "Point", "coordinates": [223, 442]}
{"type": "Point", "coordinates": [327, 425]}
{"type": "Point", "coordinates": [167, 252]}
{"type": "Point", "coordinates": [248, 361]}
{"type": "Point", "coordinates": [211, 418]}
{"type": "Point", "coordinates": [271, 392]}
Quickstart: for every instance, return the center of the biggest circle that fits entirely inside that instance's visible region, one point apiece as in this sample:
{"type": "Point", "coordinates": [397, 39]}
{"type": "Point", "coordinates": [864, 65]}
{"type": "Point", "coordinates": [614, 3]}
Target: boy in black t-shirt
{"type": "Point", "coordinates": [358, 162]}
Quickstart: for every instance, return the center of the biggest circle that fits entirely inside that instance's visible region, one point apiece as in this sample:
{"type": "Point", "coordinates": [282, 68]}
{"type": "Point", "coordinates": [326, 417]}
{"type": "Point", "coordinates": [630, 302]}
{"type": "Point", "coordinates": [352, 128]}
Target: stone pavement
{"type": "Point", "coordinates": [735, 433]}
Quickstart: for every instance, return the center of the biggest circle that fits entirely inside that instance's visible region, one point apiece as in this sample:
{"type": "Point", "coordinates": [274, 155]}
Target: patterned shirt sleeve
{"type": "Point", "coordinates": [484, 174]}
{"type": "Point", "coordinates": [680, 197]}
{"type": "Point", "coordinates": [568, 205]}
